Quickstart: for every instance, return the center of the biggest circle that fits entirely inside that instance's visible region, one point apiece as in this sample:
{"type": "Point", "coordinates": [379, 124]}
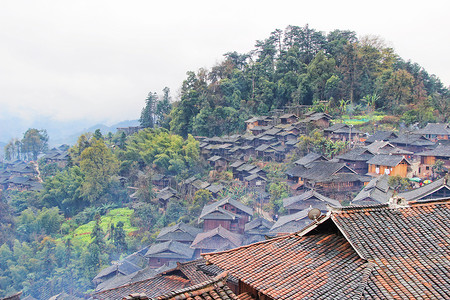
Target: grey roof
{"type": "Point", "coordinates": [319, 170]}
{"type": "Point", "coordinates": [258, 226]}
{"type": "Point", "coordinates": [286, 116]}
{"type": "Point", "coordinates": [412, 140]}
{"type": "Point", "coordinates": [254, 176]}
{"type": "Point", "coordinates": [143, 274]}
{"type": "Point", "coordinates": [198, 184]}
{"type": "Point", "coordinates": [377, 191]}
{"type": "Point", "coordinates": [178, 232]}
{"type": "Point", "coordinates": [434, 129]}
{"type": "Point", "coordinates": [166, 193]}
{"type": "Point", "coordinates": [335, 127]}
{"type": "Point", "coordinates": [123, 267]}
{"type": "Point", "coordinates": [387, 160]}
{"type": "Point", "coordinates": [273, 131]}
{"type": "Point", "coordinates": [215, 188]}
{"type": "Point", "coordinates": [440, 151]}
{"type": "Point", "coordinates": [356, 154]}
{"type": "Point", "coordinates": [170, 249]}
{"type": "Point", "coordinates": [309, 158]}
{"type": "Point", "coordinates": [217, 238]}
{"type": "Point", "coordinates": [210, 208]}
{"type": "Point", "coordinates": [246, 167]}
{"type": "Point", "coordinates": [381, 136]}
{"type": "Point", "coordinates": [384, 147]}
{"type": "Point", "coordinates": [426, 191]}
{"type": "Point", "coordinates": [292, 223]}
{"type": "Point", "coordinates": [215, 158]}
{"type": "Point", "coordinates": [320, 199]}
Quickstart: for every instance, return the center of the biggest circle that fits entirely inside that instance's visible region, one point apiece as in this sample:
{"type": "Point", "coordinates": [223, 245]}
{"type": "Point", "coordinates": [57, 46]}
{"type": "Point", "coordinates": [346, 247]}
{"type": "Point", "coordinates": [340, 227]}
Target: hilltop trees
{"type": "Point", "coordinates": [156, 110]}
{"type": "Point", "coordinates": [301, 65]}
{"type": "Point", "coordinates": [34, 141]}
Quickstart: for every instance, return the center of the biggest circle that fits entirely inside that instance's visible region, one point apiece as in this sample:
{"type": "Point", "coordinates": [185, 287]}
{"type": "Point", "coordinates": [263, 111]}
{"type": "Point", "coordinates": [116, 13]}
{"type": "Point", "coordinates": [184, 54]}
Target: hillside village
{"type": "Point", "coordinates": [359, 177]}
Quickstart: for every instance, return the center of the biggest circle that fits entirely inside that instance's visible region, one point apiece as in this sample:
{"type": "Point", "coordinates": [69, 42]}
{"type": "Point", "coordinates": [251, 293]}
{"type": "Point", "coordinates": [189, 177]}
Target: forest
{"type": "Point", "coordinates": [58, 238]}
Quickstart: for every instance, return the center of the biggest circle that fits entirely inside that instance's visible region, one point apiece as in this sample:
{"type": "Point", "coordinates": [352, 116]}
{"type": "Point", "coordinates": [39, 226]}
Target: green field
{"type": "Point", "coordinates": [81, 235]}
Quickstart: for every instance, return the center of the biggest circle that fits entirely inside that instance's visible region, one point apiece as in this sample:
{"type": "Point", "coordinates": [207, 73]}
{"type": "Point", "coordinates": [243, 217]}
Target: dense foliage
{"type": "Point", "coordinates": [303, 66]}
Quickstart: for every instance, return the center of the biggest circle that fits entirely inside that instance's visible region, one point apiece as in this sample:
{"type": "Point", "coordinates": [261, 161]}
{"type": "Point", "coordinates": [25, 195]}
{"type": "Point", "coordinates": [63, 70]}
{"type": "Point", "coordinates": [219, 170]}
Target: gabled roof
{"type": "Point", "coordinates": [372, 252]}
{"type": "Point", "coordinates": [254, 176]}
{"type": "Point", "coordinates": [123, 267]}
{"type": "Point", "coordinates": [215, 188]}
{"type": "Point", "coordinates": [356, 154]}
{"type": "Point", "coordinates": [434, 129]}
{"type": "Point", "coordinates": [287, 116]}
{"type": "Point", "coordinates": [200, 185]}
{"type": "Point", "coordinates": [405, 246]}
{"type": "Point", "coordinates": [257, 226]}
{"type": "Point", "coordinates": [309, 158]}
{"type": "Point", "coordinates": [246, 167]}
{"type": "Point", "coordinates": [377, 191]}
{"type": "Point", "coordinates": [321, 170]}
{"type": "Point", "coordinates": [166, 193]}
{"type": "Point", "coordinates": [290, 267]}
{"type": "Point", "coordinates": [216, 206]}
{"type": "Point", "coordinates": [440, 151]}
{"type": "Point", "coordinates": [387, 160]}
{"type": "Point", "coordinates": [237, 164]}
{"type": "Point", "coordinates": [412, 140]}
{"type": "Point", "coordinates": [309, 195]}
{"type": "Point", "coordinates": [170, 249]}
{"type": "Point", "coordinates": [151, 287]}
{"type": "Point", "coordinates": [178, 232]}
{"type": "Point", "coordinates": [292, 223]}
{"type": "Point", "coordinates": [216, 238]}
{"type": "Point", "coordinates": [381, 136]}
{"type": "Point", "coordinates": [432, 190]}
{"type": "Point", "coordinates": [383, 147]}
{"type": "Point", "coordinates": [215, 158]}
{"type": "Point", "coordinates": [215, 288]}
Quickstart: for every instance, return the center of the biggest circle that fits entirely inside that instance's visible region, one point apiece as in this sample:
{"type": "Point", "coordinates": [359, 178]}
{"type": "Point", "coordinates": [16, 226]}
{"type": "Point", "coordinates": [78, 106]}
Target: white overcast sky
{"type": "Point", "coordinates": [97, 60]}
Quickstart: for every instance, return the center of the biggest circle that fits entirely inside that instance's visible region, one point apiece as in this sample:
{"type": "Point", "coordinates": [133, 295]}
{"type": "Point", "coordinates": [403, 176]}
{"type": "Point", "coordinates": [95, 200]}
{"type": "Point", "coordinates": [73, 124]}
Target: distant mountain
{"type": "Point", "coordinates": [60, 132]}
{"type": "Point", "coordinates": [103, 128]}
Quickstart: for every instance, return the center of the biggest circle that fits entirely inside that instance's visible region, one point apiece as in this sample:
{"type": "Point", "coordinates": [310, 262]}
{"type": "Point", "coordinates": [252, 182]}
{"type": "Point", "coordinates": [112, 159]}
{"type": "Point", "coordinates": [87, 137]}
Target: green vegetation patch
{"type": "Point", "coordinates": [82, 234]}
{"type": "Point", "coordinates": [358, 120]}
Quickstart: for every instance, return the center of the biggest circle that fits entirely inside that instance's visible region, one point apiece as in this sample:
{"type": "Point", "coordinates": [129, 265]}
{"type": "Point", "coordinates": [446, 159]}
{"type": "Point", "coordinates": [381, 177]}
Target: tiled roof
{"type": "Point", "coordinates": [387, 160]}
{"type": "Point", "coordinates": [292, 223]}
{"type": "Point", "coordinates": [377, 191]}
{"type": "Point", "coordinates": [319, 170]}
{"type": "Point", "coordinates": [178, 232]}
{"type": "Point", "coordinates": [435, 129]}
{"type": "Point", "coordinates": [412, 140]}
{"type": "Point", "coordinates": [191, 271]}
{"type": "Point", "coordinates": [215, 288]}
{"type": "Point", "coordinates": [409, 247]}
{"type": "Point", "coordinates": [428, 191]}
{"type": "Point", "coordinates": [385, 251]}
{"type": "Point", "coordinates": [217, 238]}
{"type": "Point", "coordinates": [356, 154]}
{"type": "Point", "coordinates": [152, 287]}
{"type": "Point", "coordinates": [440, 150]}
{"type": "Point", "coordinates": [123, 267]}
{"type": "Point", "coordinates": [207, 209]}
{"type": "Point", "coordinates": [309, 198]}
{"type": "Point", "coordinates": [381, 136]}
{"type": "Point", "coordinates": [383, 147]}
{"type": "Point", "coordinates": [322, 266]}
{"type": "Point", "coordinates": [257, 226]}
{"type": "Point", "coordinates": [309, 158]}
{"type": "Point", "coordinates": [170, 249]}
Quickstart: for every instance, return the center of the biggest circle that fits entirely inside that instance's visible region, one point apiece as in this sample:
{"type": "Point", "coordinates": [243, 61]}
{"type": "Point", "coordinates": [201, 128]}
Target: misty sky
{"type": "Point", "coordinates": [97, 60]}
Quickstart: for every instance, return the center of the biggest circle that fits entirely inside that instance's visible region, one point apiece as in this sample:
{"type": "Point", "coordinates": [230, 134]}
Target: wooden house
{"type": "Point", "coordinates": [170, 251]}
{"type": "Point", "coordinates": [228, 213]}
{"type": "Point", "coordinates": [381, 136]}
{"type": "Point", "coordinates": [309, 198]}
{"type": "Point", "coordinates": [288, 119]}
{"type": "Point", "coordinates": [256, 230]}
{"type": "Point", "coordinates": [255, 181]}
{"type": "Point", "coordinates": [376, 192]}
{"type": "Point", "coordinates": [219, 163]}
{"type": "Point", "coordinates": [343, 132]}
{"type": "Point", "coordinates": [356, 159]}
{"type": "Point", "coordinates": [388, 164]}
{"type": "Point", "coordinates": [428, 159]}
{"type": "Point", "coordinates": [166, 195]}
{"type": "Point", "coordinates": [435, 131]}
{"type": "Point", "coordinates": [291, 223]}
{"type": "Point", "coordinates": [179, 232]}
{"type": "Point", "coordinates": [412, 142]}
{"type": "Point", "coordinates": [218, 238]}
{"type": "Point", "coordinates": [121, 268]}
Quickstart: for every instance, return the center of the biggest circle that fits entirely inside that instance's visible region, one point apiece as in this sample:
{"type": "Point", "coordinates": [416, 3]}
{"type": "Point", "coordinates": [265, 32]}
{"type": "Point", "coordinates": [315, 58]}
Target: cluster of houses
{"type": "Point", "coordinates": [24, 176]}
{"type": "Point", "coordinates": [359, 176]}
{"type": "Point", "coordinates": [359, 251]}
